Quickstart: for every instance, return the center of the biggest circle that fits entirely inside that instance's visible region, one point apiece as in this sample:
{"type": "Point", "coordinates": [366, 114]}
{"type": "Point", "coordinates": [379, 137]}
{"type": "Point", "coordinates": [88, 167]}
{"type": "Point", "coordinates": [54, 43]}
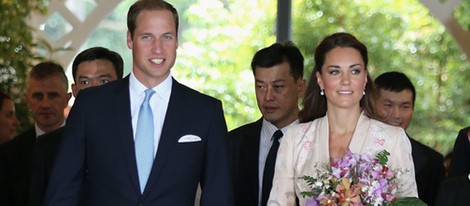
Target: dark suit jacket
{"type": "Point", "coordinates": [245, 153]}
{"type": "Point", "coordinates": [98, 137]}
{"type": "Point", "coordinates": [44, 156]}
{"type": "Point", "coordinates": [460, 164]}
{"type": "Point", "coordinates": [15, 169]}
{"type": "Point", "coordinates": [429, 171]}
{"type": "Point", "coordinates": [454, 191]}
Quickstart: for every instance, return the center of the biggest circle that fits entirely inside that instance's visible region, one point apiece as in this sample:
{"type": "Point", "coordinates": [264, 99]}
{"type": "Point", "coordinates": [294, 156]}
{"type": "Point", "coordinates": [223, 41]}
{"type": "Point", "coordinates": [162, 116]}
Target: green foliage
{"type": "Point", "coordinates": [17, 50]}
{"type": "Point", "coordinates": [310, 181]}
{"type": "Point", "coordinates": [401, 35]}
{"type": "Point", "coordinates": [216, 57]}
{"type": "Point", "coordinates": [219, 37]}
{"type": "Point", "coordinates": [408, 201]}
{"type": "Point", "coordinates": [461, 14]}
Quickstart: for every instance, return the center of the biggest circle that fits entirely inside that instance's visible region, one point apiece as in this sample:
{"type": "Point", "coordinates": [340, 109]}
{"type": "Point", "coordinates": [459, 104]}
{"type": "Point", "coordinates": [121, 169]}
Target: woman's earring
{"type": "Point", "coordinates": [322, 92]}
{"type": "Point", "coordinates": [363, 92]}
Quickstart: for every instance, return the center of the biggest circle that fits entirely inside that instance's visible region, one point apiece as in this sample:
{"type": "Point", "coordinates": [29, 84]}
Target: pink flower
{"type": "Point", "coordinates": [354, 180]}
{"type": "Point", "coordinates": [312, 202]}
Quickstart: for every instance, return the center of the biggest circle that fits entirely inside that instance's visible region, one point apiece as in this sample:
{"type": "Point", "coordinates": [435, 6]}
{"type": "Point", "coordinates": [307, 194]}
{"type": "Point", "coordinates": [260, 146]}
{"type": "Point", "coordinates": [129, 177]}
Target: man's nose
{"type": "Point", "coordinates": [395, 112]}
{"type": "Point", "coordinates": [268, 96]}
{"type": "Point", "coordinates": [157, 46]}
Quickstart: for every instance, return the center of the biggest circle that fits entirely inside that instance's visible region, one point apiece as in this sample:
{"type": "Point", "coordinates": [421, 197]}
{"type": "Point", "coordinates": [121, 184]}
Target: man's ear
{"type": "Point", "coordinates": [129, 40]}
{"type": "Point", "coordinates": [74, 90]}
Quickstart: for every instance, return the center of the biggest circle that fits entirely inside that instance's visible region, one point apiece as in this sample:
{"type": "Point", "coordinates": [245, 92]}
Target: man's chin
{"type": "Point", "coordinates": [49, 123]}
{"type": "Point", "coordinates": [396, 124]}
{"type": "Point", "coordinates": [271, 118]}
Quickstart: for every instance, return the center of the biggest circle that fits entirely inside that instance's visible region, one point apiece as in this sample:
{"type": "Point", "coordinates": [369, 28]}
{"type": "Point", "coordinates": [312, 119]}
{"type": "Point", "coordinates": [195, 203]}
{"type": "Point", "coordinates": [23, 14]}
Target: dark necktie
{"type": "Point", "coordinates": [268, 173]}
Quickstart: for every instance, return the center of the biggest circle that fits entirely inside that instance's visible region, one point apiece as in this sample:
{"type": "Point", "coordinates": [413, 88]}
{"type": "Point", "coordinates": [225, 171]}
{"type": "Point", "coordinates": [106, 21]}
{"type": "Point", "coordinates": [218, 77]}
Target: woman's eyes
{"type": "Point", "coordinates": [353, 71]}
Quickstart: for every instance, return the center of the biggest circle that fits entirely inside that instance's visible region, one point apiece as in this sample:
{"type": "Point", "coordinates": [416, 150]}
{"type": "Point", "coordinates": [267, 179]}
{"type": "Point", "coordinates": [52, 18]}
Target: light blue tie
{"type": "Point", "coordinates": [144, 140]}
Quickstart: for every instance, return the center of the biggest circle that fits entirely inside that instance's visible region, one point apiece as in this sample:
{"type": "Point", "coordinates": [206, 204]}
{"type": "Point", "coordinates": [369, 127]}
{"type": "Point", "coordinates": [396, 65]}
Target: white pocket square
{"type": "Point", "coordinates": [189, 138]}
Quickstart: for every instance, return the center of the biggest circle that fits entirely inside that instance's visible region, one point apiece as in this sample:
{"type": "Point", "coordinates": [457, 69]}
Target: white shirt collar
{"type": "Point", "coordinates": [39, 131]}
{"type": "Point", "coordinates": [163, 89]}
{"type": "Point", "coordinates": [270, 128]}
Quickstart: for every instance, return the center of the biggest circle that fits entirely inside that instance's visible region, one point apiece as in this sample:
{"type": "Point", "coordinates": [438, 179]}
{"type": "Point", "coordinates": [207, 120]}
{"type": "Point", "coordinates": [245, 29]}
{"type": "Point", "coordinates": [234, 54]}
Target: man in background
{"type": "Point", "coordinates": [396, 103]}
{"type": "Point", "coordinates": [46, 96]}
{"type": "Point", "coordinates": [279, 83]}
{"type": "Point", "coordinates": [92, 67]}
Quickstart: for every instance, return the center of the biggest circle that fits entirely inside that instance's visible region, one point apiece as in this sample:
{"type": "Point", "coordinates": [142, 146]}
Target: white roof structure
{"type": "Point", "coordinates": [80, 24]}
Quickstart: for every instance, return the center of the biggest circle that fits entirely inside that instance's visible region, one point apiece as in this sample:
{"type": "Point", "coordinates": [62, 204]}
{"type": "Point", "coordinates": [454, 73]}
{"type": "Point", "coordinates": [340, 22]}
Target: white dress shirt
{"type": "Point", "coordinates": [158, 103]}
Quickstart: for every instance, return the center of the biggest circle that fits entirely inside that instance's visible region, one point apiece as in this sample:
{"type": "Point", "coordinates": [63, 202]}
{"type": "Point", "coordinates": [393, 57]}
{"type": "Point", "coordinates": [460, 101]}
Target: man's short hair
{"type": "Point", "coordinates": [99, 53]}
{"type": "Point", "coordinates": [277, 54]}
{"type": "Point", "coordinates": [48, 69]}
{"type": "Point", "coordinates": [396, 82]}
{"type": "Point", "coordinates": [148, 5]}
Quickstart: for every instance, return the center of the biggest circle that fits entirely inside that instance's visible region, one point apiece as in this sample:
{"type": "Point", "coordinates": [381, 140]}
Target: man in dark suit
{"type": "Point", "coordinates": [396, 102]}
{"type": "Point", "coordinates": [460, 163]}
{"type": "Point", "coordinates": [454, 191]}
{"type": "Point", "coordinates": [278, 72]}
{"type": "Point", "coordinates": [185, 132]}
{"type": "Point", "coordinates": [92, 67]}
{"type": "Point", "coordinates": [47, 97]}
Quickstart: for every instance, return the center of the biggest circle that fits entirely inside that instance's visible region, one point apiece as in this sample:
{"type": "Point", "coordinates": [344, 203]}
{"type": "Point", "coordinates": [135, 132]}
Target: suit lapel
{"type": "Point", "coordinates": [250, 154]}
{"type": "Point", "coordinates": [122, 106]}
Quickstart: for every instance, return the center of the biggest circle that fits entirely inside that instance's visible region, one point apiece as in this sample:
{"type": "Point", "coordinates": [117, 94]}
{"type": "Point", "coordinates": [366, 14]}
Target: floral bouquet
{"type": "Point", "coordinates": [355, 179]}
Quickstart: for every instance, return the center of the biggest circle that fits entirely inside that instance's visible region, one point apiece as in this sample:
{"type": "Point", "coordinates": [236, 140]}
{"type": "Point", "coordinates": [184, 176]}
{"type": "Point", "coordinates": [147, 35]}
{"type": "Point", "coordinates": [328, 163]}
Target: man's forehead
{"type": "Point", "coordinates": [46, 89]}
{"type": "Point", "coordinates": [403, 96]}
{"type": "Point", "coordinates": [404, 93]}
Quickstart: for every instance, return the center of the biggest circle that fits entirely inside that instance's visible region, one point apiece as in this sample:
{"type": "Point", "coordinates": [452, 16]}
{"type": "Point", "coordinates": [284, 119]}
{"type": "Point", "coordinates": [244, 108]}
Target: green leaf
{"type": "Point", "coordinates": [382, 156]}
{"type": "Point", "coordinates": [408, 201]}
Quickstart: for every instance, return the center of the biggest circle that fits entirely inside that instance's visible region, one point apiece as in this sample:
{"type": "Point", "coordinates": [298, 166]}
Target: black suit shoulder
{"type": "Point", "coordinates": [245, 138]}
{"type": "Point", "coordinates": [460, 164]}
{"type": "Point", "coordinates": [194, 98]}
{"type": "Point", "coordinates": [25, 140]}
{"type": "Point", "coordinates": [254, 127]}
{"type": "Point", "coordinates": [47, 146]}
{"type": "Point", "coordinates": [437, 157]}
{"type": "Point", "coordinates": [15, 168]}
{"type": "Point", "coordinates": [45, 154]}
{"type": "Point", "coordinates": [429, 171]}
{"type": "Point", "coordinates": [50, 139]}
{"type": "Point", "coordinates": [244, 155]}
{"type": "Point", "coordinates": [454, 191]}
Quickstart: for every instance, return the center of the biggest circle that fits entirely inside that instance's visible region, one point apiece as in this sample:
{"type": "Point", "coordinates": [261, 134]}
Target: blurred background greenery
{"type": "Point", "coordinates": [219, 37]}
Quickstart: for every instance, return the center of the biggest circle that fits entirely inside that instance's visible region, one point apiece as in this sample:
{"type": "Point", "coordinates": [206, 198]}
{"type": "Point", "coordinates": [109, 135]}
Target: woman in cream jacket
{"type": "Point", "coordinates": [338, 116]}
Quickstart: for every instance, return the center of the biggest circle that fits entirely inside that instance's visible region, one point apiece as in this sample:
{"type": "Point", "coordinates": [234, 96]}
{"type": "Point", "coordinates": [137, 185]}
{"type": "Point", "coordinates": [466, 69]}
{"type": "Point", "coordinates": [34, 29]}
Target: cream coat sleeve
{"type": "Point", "coordinates": [401, 159]}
